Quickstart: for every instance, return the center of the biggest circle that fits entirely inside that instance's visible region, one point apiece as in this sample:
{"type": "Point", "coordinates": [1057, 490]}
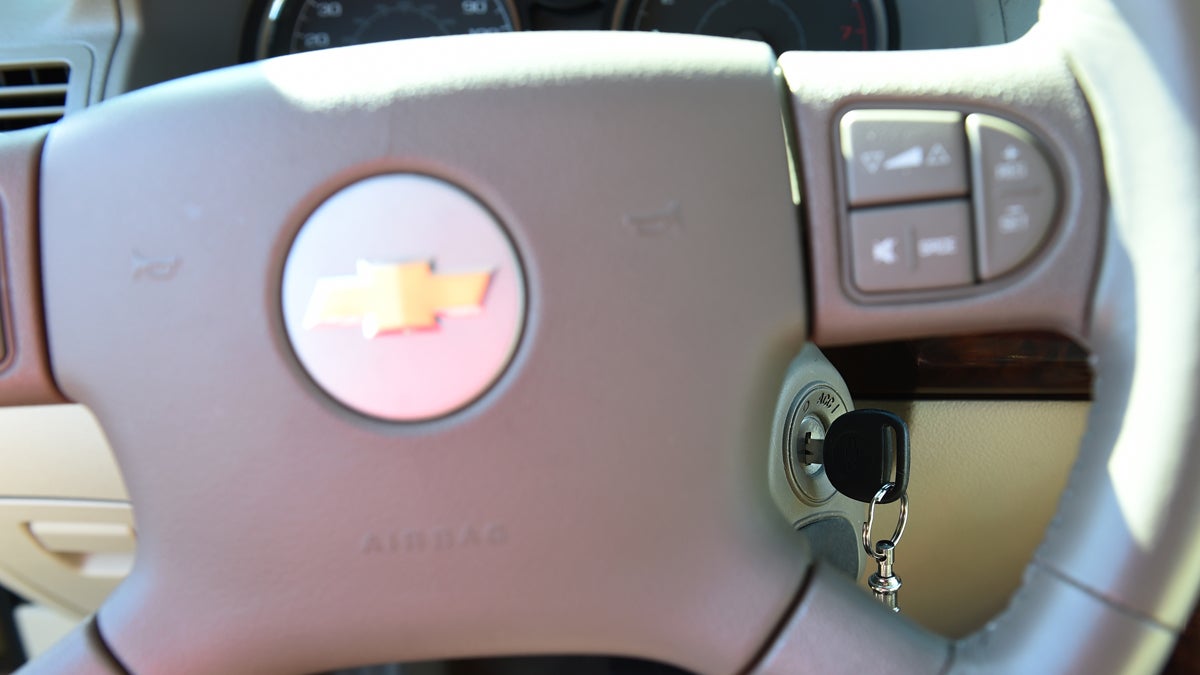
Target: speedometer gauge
{"type": "Point", "coordinates": [292, 26]}
{"type": "Point", "coordinates": [784, 24]}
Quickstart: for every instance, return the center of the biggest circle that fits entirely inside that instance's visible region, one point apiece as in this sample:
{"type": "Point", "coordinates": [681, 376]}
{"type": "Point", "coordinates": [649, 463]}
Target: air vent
{"type": "Point", "coordinates": [32, 94]}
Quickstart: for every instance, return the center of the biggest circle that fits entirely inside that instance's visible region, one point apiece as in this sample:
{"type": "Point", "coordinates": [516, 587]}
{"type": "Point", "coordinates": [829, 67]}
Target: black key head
{"type": "Point", "coordinates": [863, 449]}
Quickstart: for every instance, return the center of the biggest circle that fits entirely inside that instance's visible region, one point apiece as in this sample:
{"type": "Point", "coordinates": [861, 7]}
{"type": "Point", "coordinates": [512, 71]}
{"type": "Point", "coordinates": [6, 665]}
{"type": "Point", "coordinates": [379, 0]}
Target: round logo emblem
{"type": "Point", "coordinates": [403, 297]}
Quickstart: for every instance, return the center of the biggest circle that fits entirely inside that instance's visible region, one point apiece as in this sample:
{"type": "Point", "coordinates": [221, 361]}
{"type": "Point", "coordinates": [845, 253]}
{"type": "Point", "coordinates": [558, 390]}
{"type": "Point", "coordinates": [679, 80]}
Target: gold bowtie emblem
{"type": "Point", "coordinates": [395, 298]}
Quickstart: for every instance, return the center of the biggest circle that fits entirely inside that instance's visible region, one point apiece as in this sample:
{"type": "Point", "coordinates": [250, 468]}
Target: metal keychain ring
{"type": "Point", "coordinates": [900, 522]}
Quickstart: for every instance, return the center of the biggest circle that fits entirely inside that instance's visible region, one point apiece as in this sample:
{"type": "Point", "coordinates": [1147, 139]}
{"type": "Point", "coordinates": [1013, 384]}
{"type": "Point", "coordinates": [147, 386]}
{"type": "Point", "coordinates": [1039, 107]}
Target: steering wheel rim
{"type": "Point", "coordinates": [1121, 572]}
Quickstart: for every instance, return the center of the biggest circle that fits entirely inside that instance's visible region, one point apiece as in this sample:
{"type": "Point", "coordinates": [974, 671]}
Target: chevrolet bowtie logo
{"type": "Point", "coordinates": [395, 298]}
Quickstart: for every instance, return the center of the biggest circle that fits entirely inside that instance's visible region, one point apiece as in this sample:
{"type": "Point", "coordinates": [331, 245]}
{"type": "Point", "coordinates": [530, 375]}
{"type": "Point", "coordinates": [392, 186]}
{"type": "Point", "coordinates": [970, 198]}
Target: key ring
{"type": "Point", "coordinates": [900, 522]}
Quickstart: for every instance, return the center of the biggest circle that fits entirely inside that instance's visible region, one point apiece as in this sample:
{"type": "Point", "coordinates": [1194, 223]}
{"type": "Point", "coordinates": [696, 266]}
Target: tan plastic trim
{"type": "Point", "coordinates": [69, 554]}
{"type": "Point", "coordinates": [56, 452]}
{"type": "Point", "coordinates": [80, 32]}
{"type": "Point", "coordinates": [986, 479]}
{"type": "Point", "coordinates": [41, 627]}
{"type": "Point", "coordinates": [81, 652]}
{"type": "Point", "coordinates": [74, 538]}
{"type": "Point", "coordinates": [77, 58]}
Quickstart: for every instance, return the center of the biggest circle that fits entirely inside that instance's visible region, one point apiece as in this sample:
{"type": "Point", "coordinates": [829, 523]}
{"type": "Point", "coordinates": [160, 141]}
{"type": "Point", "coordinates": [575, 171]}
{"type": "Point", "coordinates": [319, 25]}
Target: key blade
{"type": "Point", "coordinates": [813, 450]}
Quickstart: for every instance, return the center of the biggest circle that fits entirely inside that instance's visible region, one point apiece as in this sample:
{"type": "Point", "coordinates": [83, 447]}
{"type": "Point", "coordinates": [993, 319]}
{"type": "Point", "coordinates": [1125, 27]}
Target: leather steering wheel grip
{"type": "Point", "coordinates": [1123, 554]}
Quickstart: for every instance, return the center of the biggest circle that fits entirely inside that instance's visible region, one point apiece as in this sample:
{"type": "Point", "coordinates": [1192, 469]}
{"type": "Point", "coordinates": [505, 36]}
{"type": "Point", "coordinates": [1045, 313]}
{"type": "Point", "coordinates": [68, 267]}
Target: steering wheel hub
{"type": "Point", "coordinates": [403, 297]}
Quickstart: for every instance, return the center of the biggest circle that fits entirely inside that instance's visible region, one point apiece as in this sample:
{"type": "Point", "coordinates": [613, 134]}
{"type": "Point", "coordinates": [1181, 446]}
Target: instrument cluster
{"type": "Point", "coordinates": [292, 26]}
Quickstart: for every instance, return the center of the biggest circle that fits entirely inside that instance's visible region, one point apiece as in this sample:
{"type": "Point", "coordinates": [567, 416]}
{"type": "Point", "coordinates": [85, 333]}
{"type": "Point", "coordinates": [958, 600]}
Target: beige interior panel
{"type": "Point", "coordinates": [40, 627]}
{"type": "Point", "coordinates": [56, 451]}
{"type": "Point", "coordinates": [65, 553]}
{"type": "Point", "coordinates": [66, 525]}
{"type": "Point", "coordinates": [986, 479]}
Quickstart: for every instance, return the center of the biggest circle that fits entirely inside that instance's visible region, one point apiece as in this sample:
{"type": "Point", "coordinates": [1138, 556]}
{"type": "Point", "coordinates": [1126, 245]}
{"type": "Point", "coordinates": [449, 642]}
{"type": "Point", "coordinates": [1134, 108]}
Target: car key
{"type": "Point", "coordinates": [861, 451]}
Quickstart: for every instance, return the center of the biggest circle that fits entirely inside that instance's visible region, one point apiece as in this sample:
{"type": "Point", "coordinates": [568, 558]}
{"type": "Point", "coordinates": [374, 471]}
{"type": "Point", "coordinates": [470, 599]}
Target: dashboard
{"type": "Point", "coordinates": [291, 26]}
{"type": "Point", "coordinates": [174, 39]}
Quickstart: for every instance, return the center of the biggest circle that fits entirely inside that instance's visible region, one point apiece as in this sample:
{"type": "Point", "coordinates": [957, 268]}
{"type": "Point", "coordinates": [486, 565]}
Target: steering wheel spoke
{"type": "Point", "coordinates": [916, 230]}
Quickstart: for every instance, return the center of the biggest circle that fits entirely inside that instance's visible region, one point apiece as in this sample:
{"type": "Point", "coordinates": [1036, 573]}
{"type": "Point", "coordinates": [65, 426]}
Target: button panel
{"type": "Point", "coordinates": [920, 220]}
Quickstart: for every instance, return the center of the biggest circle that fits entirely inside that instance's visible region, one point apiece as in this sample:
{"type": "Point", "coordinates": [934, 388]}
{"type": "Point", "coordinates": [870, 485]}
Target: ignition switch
{"type": "Point", "coordinates": [810, 416]}
{"type": "Point", "coordinates": [813, 395]}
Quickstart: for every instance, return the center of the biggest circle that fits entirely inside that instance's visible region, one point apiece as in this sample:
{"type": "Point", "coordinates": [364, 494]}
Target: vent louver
{"type": "Point", "coordinates": [32, 94]}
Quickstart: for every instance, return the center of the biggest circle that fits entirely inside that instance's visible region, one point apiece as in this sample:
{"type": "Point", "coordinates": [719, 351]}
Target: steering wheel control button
{"type": "Point", "coordinates": [912, 247]}
{"type": "Point", "coordinates": [1016, 195]}
{"type": "Point", "coordinates": [903, 155]}
{"type": "Point", "coordinates": [403, 297]}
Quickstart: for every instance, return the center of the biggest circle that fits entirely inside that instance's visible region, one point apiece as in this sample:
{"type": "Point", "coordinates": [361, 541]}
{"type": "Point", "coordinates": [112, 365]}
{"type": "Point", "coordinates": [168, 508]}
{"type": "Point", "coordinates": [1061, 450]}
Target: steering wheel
{"type": "Point", "coordinates": [662, 218]}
